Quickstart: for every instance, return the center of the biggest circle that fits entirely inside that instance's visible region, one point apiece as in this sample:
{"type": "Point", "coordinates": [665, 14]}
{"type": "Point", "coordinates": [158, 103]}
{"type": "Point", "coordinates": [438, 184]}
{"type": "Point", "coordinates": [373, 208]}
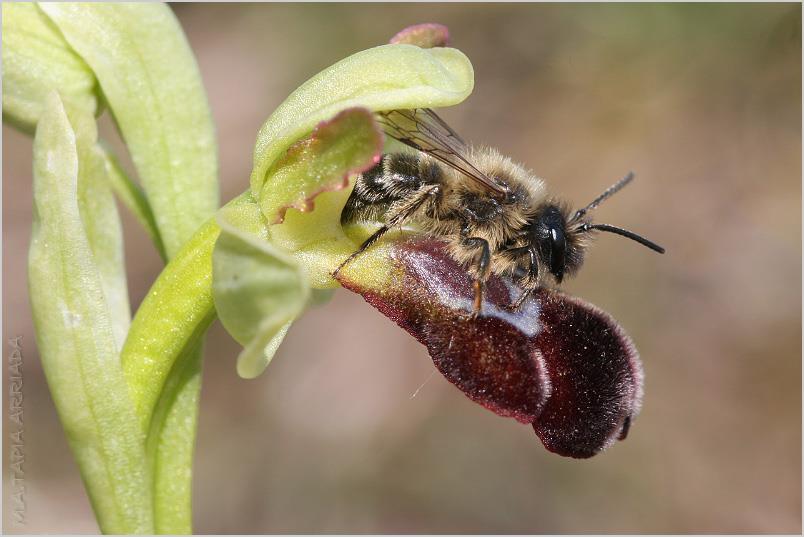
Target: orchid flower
{"type": "Point", "coordinates": [558, 363]}
{"type": "Point", "coordinates": [127, 389]}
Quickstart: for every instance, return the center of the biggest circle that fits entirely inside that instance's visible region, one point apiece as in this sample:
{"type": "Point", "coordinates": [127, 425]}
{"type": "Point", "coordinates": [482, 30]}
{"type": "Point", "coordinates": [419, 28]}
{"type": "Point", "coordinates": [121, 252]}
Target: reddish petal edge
{"type": "Point", "coordinates": [340, 181]}
{"type": "Point", "coordinates": [425, 35]}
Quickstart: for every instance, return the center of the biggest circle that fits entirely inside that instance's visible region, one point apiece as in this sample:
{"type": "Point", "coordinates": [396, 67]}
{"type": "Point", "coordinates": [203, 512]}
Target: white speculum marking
{"type": "Point", "coordinates": [526, 319]}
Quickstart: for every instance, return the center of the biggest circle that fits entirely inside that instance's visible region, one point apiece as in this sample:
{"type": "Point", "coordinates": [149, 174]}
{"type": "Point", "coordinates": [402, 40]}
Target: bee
{"type": "Point", "coordinates": [494, 215]}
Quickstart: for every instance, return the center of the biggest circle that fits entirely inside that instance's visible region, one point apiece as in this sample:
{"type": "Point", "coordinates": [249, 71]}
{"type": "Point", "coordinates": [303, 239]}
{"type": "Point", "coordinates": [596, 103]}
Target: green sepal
{"type": "Point", "coordinates": [258, 289]}
{"type": "Point", "coordinates": [387, 77]}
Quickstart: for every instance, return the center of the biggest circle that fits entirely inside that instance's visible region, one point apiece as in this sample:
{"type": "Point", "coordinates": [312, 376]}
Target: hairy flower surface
{"type": "Point", "coordinates": [558, 362]}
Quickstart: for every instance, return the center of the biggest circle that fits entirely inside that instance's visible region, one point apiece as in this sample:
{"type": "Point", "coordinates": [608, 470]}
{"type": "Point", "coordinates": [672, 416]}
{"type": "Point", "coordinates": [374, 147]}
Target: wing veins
{"type": "Point", "coordinates": [444, 144]}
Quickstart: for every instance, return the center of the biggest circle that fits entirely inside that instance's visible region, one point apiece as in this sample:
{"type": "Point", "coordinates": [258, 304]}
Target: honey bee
{"type": "Point", "coordinates": [494, 215]}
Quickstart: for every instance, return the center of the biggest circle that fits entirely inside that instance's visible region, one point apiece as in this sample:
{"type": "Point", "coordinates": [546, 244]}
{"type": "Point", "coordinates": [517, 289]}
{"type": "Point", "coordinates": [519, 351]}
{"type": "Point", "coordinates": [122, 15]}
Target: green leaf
{"type": "Point", "coordinates": [133, 198]}
{"type": "Point", "coordinates": [36, 61]}
{"type": "Point", "coordinates": [101, 223]}
{"type": "Point", "coordinates": [151, 82]}
{"type": "Point", "coordinates": [258, 289]}
{"type": "Point", "coordinates": [387, 77]}
{"type": "Point", "coordinates": [76, 339]}
{"type": "Point", "coordinates": [162, 364]}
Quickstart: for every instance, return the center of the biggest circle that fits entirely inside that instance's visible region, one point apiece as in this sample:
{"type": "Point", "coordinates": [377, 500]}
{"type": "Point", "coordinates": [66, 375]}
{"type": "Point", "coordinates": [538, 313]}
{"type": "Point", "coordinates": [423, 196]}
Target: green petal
{"type": "Point", "coordinates": [76, 339]}
{"type": "Point", "coordinates": [387, 77]}
{"type": "Point", "coordinates": [151, 82]}
{"type": "Point", "coordinates": [258, 289]}
{"type": "Point", "coordinates": [321, 163]}
{"type": "Point", "coordinates": [36, 61]}
{"type": "Point", "coordinates": [316, 239]}
{"type": "Point", "coordinates": [349, 143]}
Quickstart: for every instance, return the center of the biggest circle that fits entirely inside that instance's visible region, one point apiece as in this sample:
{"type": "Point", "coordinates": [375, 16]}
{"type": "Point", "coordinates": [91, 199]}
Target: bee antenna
{"type": "Point", "coordinates": [625, 233]}
{"type": "Point", "coordinates": [610, 191]}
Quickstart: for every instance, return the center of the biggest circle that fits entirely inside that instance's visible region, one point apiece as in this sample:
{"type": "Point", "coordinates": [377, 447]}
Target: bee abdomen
{"type": "Point", "coordinates": [394, 178]}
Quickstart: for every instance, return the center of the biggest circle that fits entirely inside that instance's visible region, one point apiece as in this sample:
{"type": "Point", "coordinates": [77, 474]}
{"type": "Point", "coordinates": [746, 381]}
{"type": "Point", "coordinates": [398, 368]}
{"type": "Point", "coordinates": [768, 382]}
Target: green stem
{"type": "Point", "coordinates": [161, 362]}
{"type": "Point", "coordinates": [172, 317]}
{"type": "Point", "coordinates": [171, 443]}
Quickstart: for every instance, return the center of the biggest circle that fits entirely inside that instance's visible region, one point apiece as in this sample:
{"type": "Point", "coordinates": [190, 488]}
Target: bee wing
{"type": "Point", "coordinates": [422, 129]}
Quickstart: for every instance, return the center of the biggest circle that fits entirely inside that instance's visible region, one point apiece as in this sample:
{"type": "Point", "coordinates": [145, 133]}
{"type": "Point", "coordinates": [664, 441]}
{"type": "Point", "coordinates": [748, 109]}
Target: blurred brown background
{"type": "Point", "coordinates": [702, 101]}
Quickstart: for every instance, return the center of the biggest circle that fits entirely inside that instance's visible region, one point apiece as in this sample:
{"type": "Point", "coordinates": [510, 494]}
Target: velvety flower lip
{"type": "Point", "coordinates": [559, 363]}
{"type": "Point", "coordinates": [491, 358]}
{"type": "Point", "coordinates": [596, 377]}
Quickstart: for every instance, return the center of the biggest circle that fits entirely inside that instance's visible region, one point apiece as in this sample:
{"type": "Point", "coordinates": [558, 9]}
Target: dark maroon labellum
{"type": "Point", "coordinates": [559, 363]}
{"type": "Point", "coordinates": [595, 376]}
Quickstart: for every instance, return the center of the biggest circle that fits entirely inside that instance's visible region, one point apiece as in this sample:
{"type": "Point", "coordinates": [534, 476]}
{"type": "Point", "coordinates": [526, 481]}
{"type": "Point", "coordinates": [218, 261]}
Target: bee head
{"type": "Point", "coordinates": [561, 240]}
{"type": "Point", "coordinates": [557, 243]}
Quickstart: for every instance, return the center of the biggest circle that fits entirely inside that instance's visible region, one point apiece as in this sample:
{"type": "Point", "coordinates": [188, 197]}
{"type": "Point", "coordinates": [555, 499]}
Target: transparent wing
{"type": "Point", "coordinates": [423, 130]}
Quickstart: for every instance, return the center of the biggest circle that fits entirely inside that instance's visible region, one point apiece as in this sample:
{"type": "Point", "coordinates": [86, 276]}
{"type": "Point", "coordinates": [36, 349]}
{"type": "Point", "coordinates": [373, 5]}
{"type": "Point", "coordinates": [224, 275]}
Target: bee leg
{"type": "Point", "coordinates": [399, 217]}
{"type": "Point", "coordinates": [525, 294]}
{"type": "Point", "coordinates": [368, 242]}
{"type": "Point", "coordinates": [530, 281]}
{"type": "Point", "coordinates": [482, 270]}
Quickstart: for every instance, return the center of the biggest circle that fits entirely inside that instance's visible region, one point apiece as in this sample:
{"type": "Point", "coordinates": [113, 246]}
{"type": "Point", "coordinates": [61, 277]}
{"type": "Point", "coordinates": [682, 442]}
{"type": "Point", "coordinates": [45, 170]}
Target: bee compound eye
{"type": "Point", "coordinates": [558, 246]}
